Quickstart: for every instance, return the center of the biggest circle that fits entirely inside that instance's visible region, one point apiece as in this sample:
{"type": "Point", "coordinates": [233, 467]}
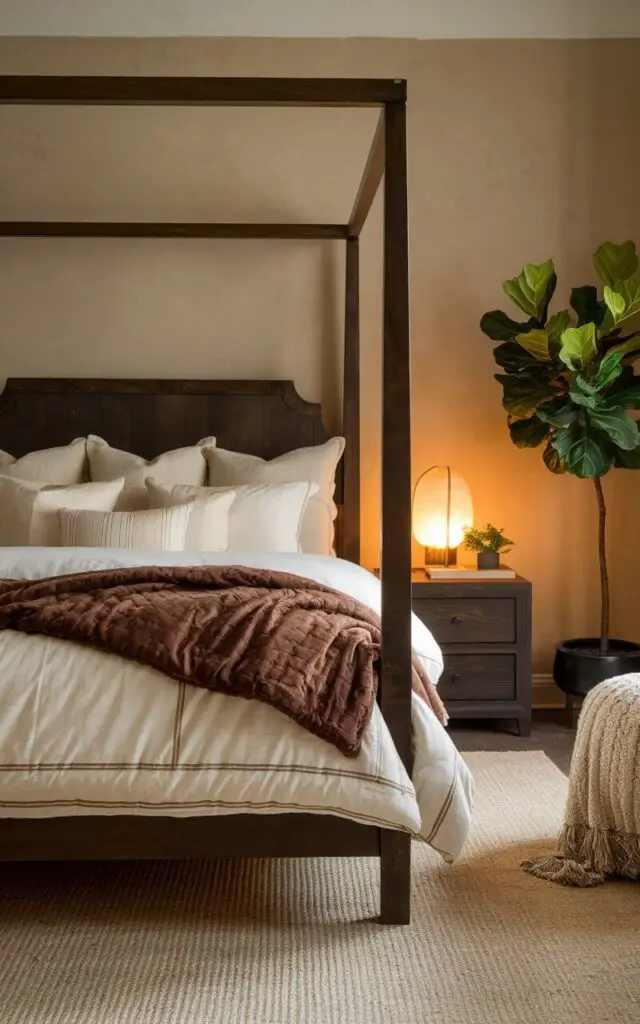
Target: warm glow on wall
{"type": "Point", "coordinates": [442, 508]}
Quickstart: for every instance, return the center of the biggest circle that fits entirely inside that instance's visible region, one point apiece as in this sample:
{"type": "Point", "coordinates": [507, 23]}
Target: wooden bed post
{"type": "Point", "coordinates": [351, 404]}
{"type": "Point", "coordinates": [395, 676]}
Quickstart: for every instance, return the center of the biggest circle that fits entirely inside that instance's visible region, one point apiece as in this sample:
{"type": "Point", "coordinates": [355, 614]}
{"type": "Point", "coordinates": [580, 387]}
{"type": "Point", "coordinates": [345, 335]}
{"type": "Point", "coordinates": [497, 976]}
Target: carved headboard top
{"type": "Point", "coordinates": [260, 417]}
{"type": "Point", "coordinates": [265, 418]}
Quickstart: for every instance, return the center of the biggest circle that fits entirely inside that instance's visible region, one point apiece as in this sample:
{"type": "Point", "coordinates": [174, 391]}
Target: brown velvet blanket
{"type": "Point", "coordinates": [308, 650]}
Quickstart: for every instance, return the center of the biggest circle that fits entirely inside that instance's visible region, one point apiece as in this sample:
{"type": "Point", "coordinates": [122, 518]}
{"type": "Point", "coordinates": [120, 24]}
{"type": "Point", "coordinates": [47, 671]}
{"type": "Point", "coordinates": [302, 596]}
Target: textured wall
{"type": "Point", "coordinates": [420, 19]}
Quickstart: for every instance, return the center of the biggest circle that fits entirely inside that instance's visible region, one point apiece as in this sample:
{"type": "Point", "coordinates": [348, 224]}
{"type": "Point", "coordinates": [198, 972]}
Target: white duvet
{"type": "Point", "coordinates": [85, 732]}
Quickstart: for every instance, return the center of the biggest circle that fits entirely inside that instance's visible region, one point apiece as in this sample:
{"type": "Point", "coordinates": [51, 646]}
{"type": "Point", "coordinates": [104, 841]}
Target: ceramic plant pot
{"type": "Point", "coordinates": [579, 665]}
{"type": "Point", "coordinates": [488, 560]}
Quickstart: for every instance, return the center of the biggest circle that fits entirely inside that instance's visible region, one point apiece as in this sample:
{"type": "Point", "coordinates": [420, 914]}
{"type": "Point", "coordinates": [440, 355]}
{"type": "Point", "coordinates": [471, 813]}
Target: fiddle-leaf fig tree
{"type": "Point", "coordinates": [569, 383]}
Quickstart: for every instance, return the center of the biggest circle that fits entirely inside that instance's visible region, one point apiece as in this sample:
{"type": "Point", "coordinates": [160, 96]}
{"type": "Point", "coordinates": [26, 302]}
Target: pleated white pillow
{"type": "Point", "coordinates": [263, 517]}
{"type": "Point", "coordinates": [180, 466]}
{"type": "Point", "coordinates": [316, 464]}
{"type": "Point", "coordinates": [61, 466]}
{"type": "Point", "coordinates": [29, 511]}
{"type": "Point", "coordinates": [161, 529]}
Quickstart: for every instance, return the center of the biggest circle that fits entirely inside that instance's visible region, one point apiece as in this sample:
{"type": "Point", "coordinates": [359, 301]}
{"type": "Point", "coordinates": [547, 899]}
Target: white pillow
{"type": "Point", "coordinates": [28, 511]}
{"type": "Point", "coordinates": [180, 466]}
{"type": "Point", "coordinates": [65, 465]}
{"type": "Point", "coordinates": [161, 529]}
{"type": "Point", "coordinates": [315, 465]}
{"type": "Point", "coordinates": [264, 517]}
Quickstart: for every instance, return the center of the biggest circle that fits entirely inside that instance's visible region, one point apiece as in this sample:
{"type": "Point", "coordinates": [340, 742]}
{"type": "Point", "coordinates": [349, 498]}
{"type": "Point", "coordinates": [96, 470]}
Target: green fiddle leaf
{"type": "Point", "coordinates": [522, 393]}
{"type": "Point", "coordinates": [527, 433]}
{"type": "Point", "coordinates": [548, 295]}
{"type": "Point", "coordinates": [622, 429]}
{"type": "Point", "coordinates": [536, 343]}
{"type": "Point", "coordinates": [532, 289]}
{"type": "Point", "coordinates": [582, 394]}
{"type": "Point", "coordinates": [578, 346]}
{"type": "Point", "coordinates": [607, 372]}
{"type": "Point", "coordinates": [615, 263]}
{"type": "Point", "coordinates": [557, 325]}
{"type": "Point", "coordinates": [552, 460]}
{"type": "Point", "coordinates": [585, 452]}
{"type": "Point", "coordinates": [558, 412]}
{"type": "Point", "coordinates": [587, 305]}
{"type": "Point", "coordinates": [500, 327]}
{"type": "Point", "coordinates": [513, 358]}
{"type": "Point", "coordinates": [629, 292]}
{"type": "Point", "coordinates": [615, 303]}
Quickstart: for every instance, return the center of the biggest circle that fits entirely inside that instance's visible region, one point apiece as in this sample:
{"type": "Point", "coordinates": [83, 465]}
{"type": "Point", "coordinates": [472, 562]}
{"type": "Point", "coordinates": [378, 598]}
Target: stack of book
{"type": "Point", "coordinates": [468, 572]}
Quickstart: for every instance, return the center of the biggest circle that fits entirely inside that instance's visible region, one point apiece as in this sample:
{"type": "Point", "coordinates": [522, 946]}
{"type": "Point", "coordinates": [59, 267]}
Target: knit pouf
{"type": "Point", "coordinates": [601, 833]}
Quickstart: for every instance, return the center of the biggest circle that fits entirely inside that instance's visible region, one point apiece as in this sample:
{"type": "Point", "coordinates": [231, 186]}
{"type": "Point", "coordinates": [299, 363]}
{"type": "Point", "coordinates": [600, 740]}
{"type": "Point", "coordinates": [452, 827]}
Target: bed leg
{"type": "Point", "coordinates": [395, 877]}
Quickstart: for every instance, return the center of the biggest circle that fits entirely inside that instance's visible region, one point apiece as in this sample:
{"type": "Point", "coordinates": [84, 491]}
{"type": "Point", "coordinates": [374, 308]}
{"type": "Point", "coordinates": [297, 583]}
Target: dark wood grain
{"type": "Point", "coordinates": [395, 877]}
{"type": "Point", "coordinates": [477, 676]}
{"type": "Point", "coordinates": [461, 620]}
{"type": "Point", "coordinates": [265, 418]}
{"type": "Point", "coordinates": [147, 91]}
{"type": "Point", "coordinates": [395, 668]}
{"type": "Point", "coordinates": [350, 539]}
{"type": "Point", "coordinates": [484, 629]}
{"type": "Point", "coordinates": [124, 837]}
{"type": "Point", "coordinates": [395, 572]}
{"type": "Point", "coordinates": [370, 182]}
{"type": "Point", "coordinates": [154, 229]}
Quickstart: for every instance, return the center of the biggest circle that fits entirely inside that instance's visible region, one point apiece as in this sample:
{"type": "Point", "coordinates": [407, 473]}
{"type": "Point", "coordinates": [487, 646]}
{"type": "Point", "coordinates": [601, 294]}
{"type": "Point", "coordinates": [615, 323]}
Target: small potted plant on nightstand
{"type": "Point", "coordinates": [489, 543]}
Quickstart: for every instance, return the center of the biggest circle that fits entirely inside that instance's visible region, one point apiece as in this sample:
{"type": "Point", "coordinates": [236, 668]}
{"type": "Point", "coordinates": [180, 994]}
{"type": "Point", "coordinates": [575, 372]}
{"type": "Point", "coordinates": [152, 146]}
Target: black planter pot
{"type": "Point", "coordinates": [579, 665]}
{"type": "Point", "coordinates": [488, 560]}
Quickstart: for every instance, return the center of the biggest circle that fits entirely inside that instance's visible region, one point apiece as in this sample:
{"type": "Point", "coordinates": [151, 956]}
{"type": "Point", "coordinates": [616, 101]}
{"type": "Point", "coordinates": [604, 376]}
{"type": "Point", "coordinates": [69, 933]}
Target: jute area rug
{"type": "Point", "coordinates": [295, 942]}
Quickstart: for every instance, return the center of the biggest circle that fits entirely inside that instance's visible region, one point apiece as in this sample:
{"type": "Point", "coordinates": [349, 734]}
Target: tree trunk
{"type": "Point", "coordinates": [604, 575]}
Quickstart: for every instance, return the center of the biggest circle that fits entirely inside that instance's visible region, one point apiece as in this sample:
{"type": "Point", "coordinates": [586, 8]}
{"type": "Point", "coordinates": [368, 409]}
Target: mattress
{"type": "Point", "coordinates": [85, 732]}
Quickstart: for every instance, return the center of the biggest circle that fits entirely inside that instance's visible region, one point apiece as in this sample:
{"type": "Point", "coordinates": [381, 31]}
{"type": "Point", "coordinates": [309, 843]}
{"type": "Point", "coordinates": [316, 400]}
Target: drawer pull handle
{"type": "Point", "coordinates": [456, 620]}
{"type": "Point", "coordinates": [456, 677]}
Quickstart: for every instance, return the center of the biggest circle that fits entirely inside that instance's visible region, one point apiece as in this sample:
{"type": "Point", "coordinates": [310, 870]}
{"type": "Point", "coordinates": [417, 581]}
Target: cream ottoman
{"type": "Point", "coordinates": [601, 832]}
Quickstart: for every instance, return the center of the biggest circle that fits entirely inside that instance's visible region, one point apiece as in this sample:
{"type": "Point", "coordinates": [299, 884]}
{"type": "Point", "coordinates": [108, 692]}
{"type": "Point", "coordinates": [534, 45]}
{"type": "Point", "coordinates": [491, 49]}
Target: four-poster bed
{"type": "Point", "coordinates": [150, 415]}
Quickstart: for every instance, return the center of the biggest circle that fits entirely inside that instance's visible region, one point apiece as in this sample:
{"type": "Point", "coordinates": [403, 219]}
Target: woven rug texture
{"type": "Point", "coordinates": [296, 942]}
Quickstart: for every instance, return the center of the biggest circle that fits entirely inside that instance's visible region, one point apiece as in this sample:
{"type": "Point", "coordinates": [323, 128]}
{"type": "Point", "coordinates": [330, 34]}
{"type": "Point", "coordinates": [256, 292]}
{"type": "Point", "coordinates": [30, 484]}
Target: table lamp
{"type": "Point", "coordinates": [441, 510]}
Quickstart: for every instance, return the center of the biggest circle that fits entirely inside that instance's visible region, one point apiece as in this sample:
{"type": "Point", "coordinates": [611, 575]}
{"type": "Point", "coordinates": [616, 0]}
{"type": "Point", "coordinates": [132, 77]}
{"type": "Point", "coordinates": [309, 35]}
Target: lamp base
{"type": "Point", "coordinates": [440, 556]}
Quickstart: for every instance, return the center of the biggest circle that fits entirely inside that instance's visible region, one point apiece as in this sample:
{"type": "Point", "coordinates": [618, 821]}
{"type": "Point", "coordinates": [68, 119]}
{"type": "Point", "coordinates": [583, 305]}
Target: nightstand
{"type": "Point", "coordinates": [484, 630]}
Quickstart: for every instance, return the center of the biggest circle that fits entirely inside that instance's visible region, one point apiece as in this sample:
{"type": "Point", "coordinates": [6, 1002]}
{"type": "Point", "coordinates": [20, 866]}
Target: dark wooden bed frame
{"type": "Point", "coordinates": [152, 416]}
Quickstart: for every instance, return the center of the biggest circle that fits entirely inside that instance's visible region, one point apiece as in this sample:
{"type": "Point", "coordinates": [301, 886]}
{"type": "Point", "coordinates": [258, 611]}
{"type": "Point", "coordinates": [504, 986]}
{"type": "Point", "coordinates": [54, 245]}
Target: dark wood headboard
{"type": "Point", "coordinates": [260, 417]}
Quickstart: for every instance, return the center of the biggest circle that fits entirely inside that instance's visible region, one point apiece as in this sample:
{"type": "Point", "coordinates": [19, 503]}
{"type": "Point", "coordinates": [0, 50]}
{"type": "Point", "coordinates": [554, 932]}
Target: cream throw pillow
{"type": "Point", "coordinates": [61, 466]}
{"type": "Point", "coordinates": [151, 530]}
{"type": "Point", "coordinates": [180, 466]}
{"type": "Point", "coordinates": [263, 517]}
{"type": "Point", "coordinates": [316, 465]}
{"type": "Point", "coordinates": [29, 511]}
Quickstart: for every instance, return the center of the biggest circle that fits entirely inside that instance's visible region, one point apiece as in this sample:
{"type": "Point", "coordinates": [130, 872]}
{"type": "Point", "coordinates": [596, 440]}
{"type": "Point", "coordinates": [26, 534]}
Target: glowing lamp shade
{"type": "Point", "coordinates": [442, 509]}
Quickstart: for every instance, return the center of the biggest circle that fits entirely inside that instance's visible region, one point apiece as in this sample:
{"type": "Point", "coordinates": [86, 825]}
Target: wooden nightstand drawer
{"type": "Point", "coordinates": [477, 677]}
{"type": "Point", "coordinates": [468, 620]}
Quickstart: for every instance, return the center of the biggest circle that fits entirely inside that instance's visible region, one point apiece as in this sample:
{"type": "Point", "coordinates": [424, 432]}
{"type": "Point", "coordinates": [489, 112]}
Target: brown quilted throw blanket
{"type": "Point", "coordinates": [309, 651]}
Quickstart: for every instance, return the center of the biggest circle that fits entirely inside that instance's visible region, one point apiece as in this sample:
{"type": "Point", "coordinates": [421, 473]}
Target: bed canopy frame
{"type": "Point", "coordinates": [282, 834]}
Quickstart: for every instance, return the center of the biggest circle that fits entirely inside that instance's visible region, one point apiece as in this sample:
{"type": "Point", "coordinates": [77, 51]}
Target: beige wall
{"type": "Point", "coordinates": [518, 151]}
{"type": "Point", "coordinates": [420, 19]}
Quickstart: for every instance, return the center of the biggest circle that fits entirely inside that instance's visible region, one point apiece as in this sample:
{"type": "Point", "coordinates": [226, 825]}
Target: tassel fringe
{"type": "Point", "coordinates": [586, 856]}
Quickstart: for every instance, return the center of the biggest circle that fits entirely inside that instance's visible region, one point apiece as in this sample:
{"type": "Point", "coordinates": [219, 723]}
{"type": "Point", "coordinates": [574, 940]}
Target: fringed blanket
{"type": "Point", "coordinates": [601, 833]}
{"type": "Point", "coordinates": [309, 651]}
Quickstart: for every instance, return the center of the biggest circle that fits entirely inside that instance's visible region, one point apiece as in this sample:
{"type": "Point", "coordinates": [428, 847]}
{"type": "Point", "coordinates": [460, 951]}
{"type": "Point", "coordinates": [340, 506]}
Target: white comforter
{"type": "Point", "coordinates": [86, 732]}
